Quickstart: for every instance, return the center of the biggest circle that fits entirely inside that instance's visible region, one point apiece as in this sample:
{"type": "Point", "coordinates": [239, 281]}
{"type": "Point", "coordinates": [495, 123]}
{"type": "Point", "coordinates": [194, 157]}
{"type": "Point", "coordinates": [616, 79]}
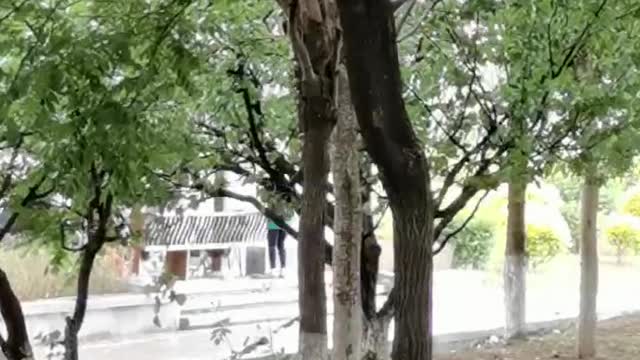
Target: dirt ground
{"type": "Point", "coordinates": [617, 339]}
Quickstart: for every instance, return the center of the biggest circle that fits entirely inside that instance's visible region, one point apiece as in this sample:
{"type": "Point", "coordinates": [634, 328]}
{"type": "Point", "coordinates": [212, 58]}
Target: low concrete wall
{"type": "Point", "coordinates": [114, 315]}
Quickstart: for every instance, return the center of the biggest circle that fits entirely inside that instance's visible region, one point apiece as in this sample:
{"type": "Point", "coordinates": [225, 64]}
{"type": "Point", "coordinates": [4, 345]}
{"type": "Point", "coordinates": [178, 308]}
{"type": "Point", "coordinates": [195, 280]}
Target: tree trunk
{"type": "Point", "coordinates": [589, 270]}
{"type": "Point", "coordinates": [312, 293]}
{"type": "Point", "coordinates": [313, 28]}
{"type": "Point", "coordinates": [376, 339]}
{"type": "Point", "coordinates": [16, 346]}
{"type": "Point", "coordinates": [515, 263]}
{"type": "Point", "coordinates": [347, 321]}
{"type": "Point", "coordinates": [219, 181]}
{"type": "Point", "coordinates": [370, 250]}
{"type": "Point", "coordinates": [370, 258]}
{"type": "Point", "coordinates": [376, 90]}
{"type": "Point", "coordinates": [74, 323]}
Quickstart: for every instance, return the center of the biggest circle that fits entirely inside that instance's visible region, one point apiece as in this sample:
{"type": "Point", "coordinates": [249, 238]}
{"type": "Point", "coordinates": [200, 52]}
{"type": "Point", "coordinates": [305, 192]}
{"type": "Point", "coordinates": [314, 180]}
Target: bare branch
{"type": "Point", "coordinates": [577, 45]}
{"type": "Point", "coordinates": [32, 195]}
{"type": "Point", "coordinates": [416, 27]}
{"type": "Point", "coordinates": [63, 240]}
{"type": "Point", "coordinates": [387, 309]}
{"type": "Point", "coordinates": [405, 15]}
{"type": "Point", "coordinates": [395, 5]}
{"type": "Point", "coordinates": [444, 242]}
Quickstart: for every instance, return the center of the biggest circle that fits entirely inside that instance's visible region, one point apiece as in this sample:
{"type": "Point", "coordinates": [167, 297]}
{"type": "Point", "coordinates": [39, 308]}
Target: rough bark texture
{"type": "Point", "coordinates": [515, 263]}
{"type": "Point", "coordinates": [589, 270]}
{"type": "Point", "coordinates": [313, 28]}
{"type": "Point", "coordinates": [347, 323]}
{"type": "Point", "coordinates": [375, 344]}
{"type": "Point", "coordinates": [16, 346]}
{"type": "Point", "coordinates": [376, 90]}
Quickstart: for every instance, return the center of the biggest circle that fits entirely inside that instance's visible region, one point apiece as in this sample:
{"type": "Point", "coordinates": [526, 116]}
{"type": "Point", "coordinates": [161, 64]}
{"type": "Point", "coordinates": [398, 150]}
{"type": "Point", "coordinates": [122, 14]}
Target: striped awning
{"type": "Point", "coordinates": [205, 231]}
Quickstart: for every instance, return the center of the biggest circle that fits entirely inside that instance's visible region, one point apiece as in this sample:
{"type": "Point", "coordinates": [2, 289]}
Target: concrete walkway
{"type": "Point", "coordinates": [463, 303]}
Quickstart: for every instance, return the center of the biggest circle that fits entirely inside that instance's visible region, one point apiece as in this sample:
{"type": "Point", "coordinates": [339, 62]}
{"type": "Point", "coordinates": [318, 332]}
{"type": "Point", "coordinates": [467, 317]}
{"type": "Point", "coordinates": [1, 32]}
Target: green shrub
{"type": "Point", "coordinates": [473, 244]}
{"type": "Point", "coordinates": [632, 205]}
{"type": "Point", "coordinates": [624, 237]}
{"type": "Point", "coordinates": [542, 244]}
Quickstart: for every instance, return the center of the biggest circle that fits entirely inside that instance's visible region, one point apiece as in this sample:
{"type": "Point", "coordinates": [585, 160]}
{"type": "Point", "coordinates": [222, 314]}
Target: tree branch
{"type": "Point", "coordinates": [397, 4]}
{"type": "Point", "coordinates": [444, 242]}
{"type": "Point", "coordinates": [16, 346]}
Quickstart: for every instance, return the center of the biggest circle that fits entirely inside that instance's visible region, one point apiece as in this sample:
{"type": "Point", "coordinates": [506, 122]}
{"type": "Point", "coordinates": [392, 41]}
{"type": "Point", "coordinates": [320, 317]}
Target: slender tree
{"type": "Point", "coordinates": [348, 316]}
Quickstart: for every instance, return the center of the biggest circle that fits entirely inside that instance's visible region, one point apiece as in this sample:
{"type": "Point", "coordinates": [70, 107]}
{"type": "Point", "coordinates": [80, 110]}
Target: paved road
{"type": "Point", "coordinates": [463, 303]}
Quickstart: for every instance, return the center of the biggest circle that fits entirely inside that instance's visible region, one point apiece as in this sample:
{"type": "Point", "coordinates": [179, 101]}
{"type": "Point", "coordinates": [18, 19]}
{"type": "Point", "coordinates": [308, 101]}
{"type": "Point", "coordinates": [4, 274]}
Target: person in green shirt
{"type": "Point", "coordinates": [275, 238]}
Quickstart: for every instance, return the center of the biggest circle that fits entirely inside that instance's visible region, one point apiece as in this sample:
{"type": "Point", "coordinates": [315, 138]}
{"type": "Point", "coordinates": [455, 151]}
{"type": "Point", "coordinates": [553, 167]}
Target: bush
{"type": "Point", "coordinates": [624, 237]}
{"type": "Point", "coordinates": [473, 244]}
{"type": "Point", "coordinates": [543, 244]}
{"type": "Point", "coordinates": [632, 205]}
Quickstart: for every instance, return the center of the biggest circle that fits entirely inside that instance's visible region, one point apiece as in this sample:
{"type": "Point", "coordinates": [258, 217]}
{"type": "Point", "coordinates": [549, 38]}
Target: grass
{"type": "Point", "coordinates": [616, 339]}
{"type": "Point", "coordinates": [31, 278]}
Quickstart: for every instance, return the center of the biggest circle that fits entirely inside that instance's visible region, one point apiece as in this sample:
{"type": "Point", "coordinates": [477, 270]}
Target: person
{"type": "Point", "coordinates": [275, 238]}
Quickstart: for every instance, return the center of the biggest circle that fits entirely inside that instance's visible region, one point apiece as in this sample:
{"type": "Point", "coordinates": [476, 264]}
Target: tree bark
{"type": "Point", "coordinates": [74, 323]}
{"type": "Point", "coordinates": [99, 215]}
{"type": "Point", "coordinates": [587, 317]}
{"type": "Point", "coordinates": [376, 90]}
{"type": "Point", "coordinates": [16, 346]}
{"type": "Point", "coordinates": [347, 321]}
{"type": "Point", "coordinates": [312, 293]}
{"type": "Point", "coordinates": [376, 339]}
{"type": "Point", "coordinates": [515, 263]}
{"type": "Point", "coordinates": [370, 252]}
{"type": "Point", "coordinates": [313, 28]}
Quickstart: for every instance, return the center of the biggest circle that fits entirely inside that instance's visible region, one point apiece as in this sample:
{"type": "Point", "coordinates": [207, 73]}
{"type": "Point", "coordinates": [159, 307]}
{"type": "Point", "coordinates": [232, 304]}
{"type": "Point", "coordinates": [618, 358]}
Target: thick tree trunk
{"type": "Point", "coordinates": [587, 317]}
{"type": "Point", "coordinates": [16, 346]}
{"type": "Point", "coordinates": [312, 293]}
{"type": "Point", "coordinates": [412, 233]}
{"type": "Point", "coordinates": [74, 323]}
{"type": "Point", "coordinates": [313, 28]}
{"type": "Point", "coordinates": [515, 262]}
{"type": "Point", "coordinates": [347, 321]}
{"type": "Point", "coordinates": [376, 90]}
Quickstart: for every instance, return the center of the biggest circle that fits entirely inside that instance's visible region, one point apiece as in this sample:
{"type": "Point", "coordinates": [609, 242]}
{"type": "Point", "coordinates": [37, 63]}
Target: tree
{"type": "Point", "coordinates": [589, 268]}
{"type": "Point", "coordinates": [608, 146]}
{"type": "Point", "coordinates": [101, 116]}
{"type": "Point", "coordinates": [540, 98]}
{"type": "Point", "coordinates": [313, 30]}
{"type": "Point", "coordinates": [347, 324]}
{"type": "Point", "coordinates": [376, 90]}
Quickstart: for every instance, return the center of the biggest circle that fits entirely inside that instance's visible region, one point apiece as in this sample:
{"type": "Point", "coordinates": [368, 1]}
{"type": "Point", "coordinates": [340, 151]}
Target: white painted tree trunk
{"type": "Point", "coordinates": [348, 317]}
{"type": "Point", "coordinates": [515, 263]}
{"type": "Point", "coordinates": [587, 317]}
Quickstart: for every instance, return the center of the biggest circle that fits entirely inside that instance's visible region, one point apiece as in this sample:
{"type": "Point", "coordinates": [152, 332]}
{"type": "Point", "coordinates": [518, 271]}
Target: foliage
{"type": "Point", "coordinates": [473, 244]}
{"type": "Point", "coordinates": [624, 235]}
{"type": "Point", "coordinates": [632, 205]}
{"type": "Point", "coordinates": [97, 91]}
{"type": "Point", "coordinates": [542, 244]}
